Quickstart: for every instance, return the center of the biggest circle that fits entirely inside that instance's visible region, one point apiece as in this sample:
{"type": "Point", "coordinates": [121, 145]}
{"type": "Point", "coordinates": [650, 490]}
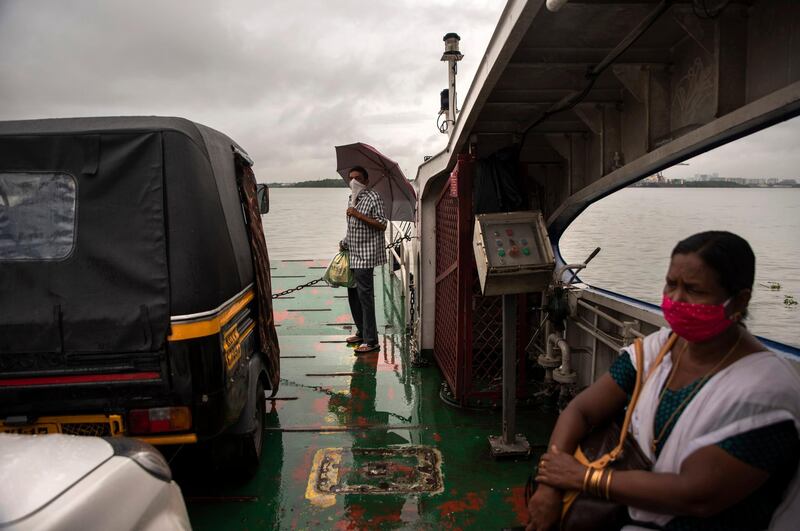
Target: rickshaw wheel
{"type": "Point", "coordinates": [252, 443]}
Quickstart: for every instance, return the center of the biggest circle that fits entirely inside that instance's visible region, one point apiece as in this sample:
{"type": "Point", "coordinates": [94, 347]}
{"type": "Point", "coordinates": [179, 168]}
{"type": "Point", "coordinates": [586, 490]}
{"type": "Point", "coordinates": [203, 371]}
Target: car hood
{"type": "Point", "coordinates": [36, 469]}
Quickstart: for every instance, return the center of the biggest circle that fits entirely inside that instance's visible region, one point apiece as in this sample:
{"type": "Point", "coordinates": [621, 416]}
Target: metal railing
{"type": "Point", "coordinates": [626, 330]}
{"type": "Point", "coordinates": [403, 235]}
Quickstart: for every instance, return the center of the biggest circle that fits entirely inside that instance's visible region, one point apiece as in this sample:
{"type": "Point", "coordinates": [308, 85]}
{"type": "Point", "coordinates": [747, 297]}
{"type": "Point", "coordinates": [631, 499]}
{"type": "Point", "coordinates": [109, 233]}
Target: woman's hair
{"type": "Point", "coordinates": [361, 170]}
{"type": "Point", "coordinates": [729, 255]}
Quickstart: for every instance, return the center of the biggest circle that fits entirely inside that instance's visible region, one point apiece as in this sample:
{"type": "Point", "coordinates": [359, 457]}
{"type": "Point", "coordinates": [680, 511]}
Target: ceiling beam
{"type": "Point", "coordinates": [512, 126]}
{"type": "Point", "coordinates": [591, 55]}
{"type": "Point", "coordinates": [579, 65]}
{"type": "Point", "coordinates": [550, 96]}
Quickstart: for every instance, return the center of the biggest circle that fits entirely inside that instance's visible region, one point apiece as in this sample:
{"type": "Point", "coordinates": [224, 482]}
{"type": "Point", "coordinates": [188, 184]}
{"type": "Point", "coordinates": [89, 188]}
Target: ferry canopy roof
{"type": "Point", "coordinates": [604, 92]}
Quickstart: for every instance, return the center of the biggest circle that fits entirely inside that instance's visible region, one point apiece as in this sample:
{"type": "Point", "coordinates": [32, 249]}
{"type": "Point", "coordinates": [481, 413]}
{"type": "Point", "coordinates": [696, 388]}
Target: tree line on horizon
{"type": "Point", "coordinates": [322, 183]}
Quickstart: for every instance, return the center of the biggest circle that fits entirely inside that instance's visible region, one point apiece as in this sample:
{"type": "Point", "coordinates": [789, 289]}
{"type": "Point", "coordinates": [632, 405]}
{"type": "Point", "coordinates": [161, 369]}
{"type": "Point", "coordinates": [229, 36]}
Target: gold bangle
{"type": "Point", "coordinates": [608, 485]}
{"type": "Point", "coordinates": [586, 478]}
{"type": "Point", "coordinates": [600, 483]}
{"type": "Point", "coordinates": [594, 483]}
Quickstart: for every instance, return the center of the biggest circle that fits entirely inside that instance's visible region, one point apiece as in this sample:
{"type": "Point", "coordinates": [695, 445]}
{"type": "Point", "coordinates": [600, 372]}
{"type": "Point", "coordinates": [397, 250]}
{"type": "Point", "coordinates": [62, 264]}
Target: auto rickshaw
{"type": "Point", "coordinates": [135, 294]}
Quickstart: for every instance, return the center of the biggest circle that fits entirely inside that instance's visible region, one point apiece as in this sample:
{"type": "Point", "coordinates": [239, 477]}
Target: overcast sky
{"type": "Point", "coordinates": [287, 79]}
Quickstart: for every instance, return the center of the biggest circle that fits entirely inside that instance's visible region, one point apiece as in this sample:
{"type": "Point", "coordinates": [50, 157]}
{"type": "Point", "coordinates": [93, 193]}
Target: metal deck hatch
{"type": "Point", "coordinates": [393, 470]}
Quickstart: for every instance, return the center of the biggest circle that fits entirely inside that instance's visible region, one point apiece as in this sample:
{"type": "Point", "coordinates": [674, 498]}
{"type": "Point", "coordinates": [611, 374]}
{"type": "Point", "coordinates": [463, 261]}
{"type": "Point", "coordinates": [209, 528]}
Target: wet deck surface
{"type": "Point", "coordinates": [364, 442]}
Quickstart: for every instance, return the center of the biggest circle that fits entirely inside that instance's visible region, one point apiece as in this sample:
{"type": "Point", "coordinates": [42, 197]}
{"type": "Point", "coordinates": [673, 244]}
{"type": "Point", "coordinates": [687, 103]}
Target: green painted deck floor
{"type": "Point", "coordinates": [336, 407]}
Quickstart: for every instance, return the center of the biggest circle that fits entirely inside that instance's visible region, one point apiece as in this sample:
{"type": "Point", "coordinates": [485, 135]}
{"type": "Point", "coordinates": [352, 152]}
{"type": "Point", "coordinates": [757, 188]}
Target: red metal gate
{"type": "Point", "coordinates": [468, 329]}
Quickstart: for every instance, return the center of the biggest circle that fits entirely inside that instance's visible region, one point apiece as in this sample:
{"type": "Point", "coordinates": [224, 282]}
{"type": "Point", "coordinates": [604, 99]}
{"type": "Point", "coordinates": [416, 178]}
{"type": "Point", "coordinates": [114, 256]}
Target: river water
{"type": "Point", "coordinates": [635, 227]}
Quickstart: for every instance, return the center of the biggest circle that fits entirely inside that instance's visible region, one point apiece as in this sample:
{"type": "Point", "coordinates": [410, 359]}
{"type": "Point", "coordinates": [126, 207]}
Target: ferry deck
{"type": "Point", "coordinates": [590, 96]}
{"type": "Point", "coordinates": [365, 442]}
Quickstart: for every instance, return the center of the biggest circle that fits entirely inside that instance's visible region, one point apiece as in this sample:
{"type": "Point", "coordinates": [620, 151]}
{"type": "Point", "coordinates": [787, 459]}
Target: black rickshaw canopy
{"type": "Point", "coordinates": [110, 226]}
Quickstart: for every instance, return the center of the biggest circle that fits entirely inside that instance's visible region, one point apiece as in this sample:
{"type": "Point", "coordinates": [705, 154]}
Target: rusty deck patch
{"type": "Point", "coordinates": [392, 470]}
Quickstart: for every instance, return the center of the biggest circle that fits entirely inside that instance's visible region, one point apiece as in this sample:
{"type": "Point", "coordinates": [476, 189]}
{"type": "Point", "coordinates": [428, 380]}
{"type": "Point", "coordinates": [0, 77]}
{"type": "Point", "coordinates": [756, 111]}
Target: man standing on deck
{"type": "Point", "coordinates": [366, 223]}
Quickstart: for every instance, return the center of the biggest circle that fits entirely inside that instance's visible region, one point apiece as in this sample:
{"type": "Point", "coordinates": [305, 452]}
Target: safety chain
{"type": "Point", "coordinates": [416, 356]}
{"type": "Point", "coordinates": [298, 288]}
{"type": "Point", "coordinates": [411, 307]}
{"type": "Point", "coordinates": [407, 237]}
{"type": "Point", "coordinates": [309, 284]}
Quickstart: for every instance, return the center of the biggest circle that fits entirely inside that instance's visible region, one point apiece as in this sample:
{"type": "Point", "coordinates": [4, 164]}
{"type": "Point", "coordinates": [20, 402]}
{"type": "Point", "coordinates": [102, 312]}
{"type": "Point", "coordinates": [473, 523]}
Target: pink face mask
{"type": "Point", "coordinates": [695, 322]}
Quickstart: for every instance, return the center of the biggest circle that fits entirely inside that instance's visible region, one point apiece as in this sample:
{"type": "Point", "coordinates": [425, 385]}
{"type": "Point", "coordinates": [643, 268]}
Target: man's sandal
{"type": "Point", "coordinates": [354, 339]}
{"type": "Point", "coordinates": [364, 348]}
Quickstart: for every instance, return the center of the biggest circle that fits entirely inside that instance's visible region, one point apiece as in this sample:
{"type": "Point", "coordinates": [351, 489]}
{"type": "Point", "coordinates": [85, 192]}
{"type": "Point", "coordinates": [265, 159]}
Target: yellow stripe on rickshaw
{"type": "Point", "coordinates": [211, 325]}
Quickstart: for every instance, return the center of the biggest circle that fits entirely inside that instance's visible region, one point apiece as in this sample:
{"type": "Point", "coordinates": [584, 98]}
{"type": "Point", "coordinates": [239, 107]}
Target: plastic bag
{"type": "Point", "coordinates": [339, 272]}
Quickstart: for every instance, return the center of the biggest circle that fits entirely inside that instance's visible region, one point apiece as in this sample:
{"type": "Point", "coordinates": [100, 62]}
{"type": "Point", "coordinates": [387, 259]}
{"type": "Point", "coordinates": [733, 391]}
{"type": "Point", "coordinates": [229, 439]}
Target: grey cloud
{"type": "Point", "coordinates": [286, 79]}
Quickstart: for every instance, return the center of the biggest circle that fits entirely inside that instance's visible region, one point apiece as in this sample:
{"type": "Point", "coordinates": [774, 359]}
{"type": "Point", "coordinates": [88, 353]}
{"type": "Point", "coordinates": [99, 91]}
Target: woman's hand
{"type": "Point", "coordinates": [351, 211]}
{"type": "Point", "coordinates": [544, 509]}
{"type": "Point", "coordinates": [560, 470]}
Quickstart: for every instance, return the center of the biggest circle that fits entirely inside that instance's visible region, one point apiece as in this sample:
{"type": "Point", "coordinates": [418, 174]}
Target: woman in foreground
{"type": "Point", "coordinates": [718, 417]}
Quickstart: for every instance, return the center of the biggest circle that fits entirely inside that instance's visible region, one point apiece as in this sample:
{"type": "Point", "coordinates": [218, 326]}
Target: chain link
{"type": "Point", "coordinates": [416, 356]}
{"type": "Point", "coordinates": [395, 243]}
{"type": "Point", "coordinates": [309, 284]}
{"type": "Point", "coordinates": [298, 288]}
{"type": "Point", "coordinates": [412, 300]}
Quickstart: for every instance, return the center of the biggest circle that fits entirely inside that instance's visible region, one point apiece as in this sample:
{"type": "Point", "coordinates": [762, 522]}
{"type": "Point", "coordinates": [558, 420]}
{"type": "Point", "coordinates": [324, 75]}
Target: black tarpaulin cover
{"type": "Point", "coordinates": [110, 293]}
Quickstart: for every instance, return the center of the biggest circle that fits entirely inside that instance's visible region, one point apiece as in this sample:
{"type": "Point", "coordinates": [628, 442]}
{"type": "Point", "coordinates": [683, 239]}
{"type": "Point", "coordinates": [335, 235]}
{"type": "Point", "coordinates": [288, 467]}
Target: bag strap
{"type": "Point", "coordinates": [637, 389]}
{"type": "Point", "coordinates": [666, 348]}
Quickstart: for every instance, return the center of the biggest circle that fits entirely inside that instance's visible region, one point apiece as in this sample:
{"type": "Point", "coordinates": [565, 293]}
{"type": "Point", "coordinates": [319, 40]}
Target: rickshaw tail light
{"type": "Point", "coordinates": [159, 420]}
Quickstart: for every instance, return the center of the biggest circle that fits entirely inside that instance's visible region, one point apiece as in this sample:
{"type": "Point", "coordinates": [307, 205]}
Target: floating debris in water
{"type": "Point", "coordinates": [771, 285]}
{"type": "Point", "coordinates": [788, 300]}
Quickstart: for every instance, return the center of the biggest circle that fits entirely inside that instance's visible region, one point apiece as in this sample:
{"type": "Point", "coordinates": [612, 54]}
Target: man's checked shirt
{"type": "Point", "coordinates": [364, 242]}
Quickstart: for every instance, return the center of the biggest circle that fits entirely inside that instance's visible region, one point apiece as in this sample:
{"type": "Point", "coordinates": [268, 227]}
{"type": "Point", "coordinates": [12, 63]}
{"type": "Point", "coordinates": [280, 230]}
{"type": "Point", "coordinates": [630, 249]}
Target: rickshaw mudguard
{"type": "Point", "coordinates": [256, 370]}
{"type": "Point", "coordinates": [215, 359]}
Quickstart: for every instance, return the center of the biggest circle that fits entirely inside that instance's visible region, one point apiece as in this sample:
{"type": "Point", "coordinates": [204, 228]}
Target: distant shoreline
{"type": "Point", "coordinates": [324, 183]}
{"type": "Point", "coordinates": [339, 183]}
{"type": "Point", "coordinates": [706, 184]}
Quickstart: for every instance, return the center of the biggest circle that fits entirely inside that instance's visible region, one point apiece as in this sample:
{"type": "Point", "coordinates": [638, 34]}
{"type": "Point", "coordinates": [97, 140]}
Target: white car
{"type": "Point", "coordinates": [66, 482]}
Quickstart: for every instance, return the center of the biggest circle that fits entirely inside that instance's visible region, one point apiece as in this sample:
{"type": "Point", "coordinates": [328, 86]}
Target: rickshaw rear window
{"type": "Point", "coordinates": [37, 215]}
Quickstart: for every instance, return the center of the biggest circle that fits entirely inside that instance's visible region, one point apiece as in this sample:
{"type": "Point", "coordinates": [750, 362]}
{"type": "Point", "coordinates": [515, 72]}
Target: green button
{"type": "Point", "coordinates": [526, 251]}
{"type": "Point", "coordinates": [501, 252]}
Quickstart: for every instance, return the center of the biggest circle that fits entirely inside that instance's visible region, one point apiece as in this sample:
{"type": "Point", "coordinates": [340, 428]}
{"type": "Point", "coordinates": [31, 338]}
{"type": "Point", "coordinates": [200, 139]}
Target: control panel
{"type": "Point", "coordinates": [512, 252]}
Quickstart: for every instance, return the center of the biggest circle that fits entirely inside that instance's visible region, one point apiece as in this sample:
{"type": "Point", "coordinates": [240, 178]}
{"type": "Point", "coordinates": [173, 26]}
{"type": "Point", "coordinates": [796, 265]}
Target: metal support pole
{"type": "Point", "coordinates": [509, 368]}
{"type": "Point", "coordinates": [510, 444]}
{"type": "Point", "coordinates": [452, 67]}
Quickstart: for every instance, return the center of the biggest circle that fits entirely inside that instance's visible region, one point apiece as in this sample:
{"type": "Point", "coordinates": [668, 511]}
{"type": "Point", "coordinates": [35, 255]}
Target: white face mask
{"type": "Point", "coordinates": [357, 188]}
